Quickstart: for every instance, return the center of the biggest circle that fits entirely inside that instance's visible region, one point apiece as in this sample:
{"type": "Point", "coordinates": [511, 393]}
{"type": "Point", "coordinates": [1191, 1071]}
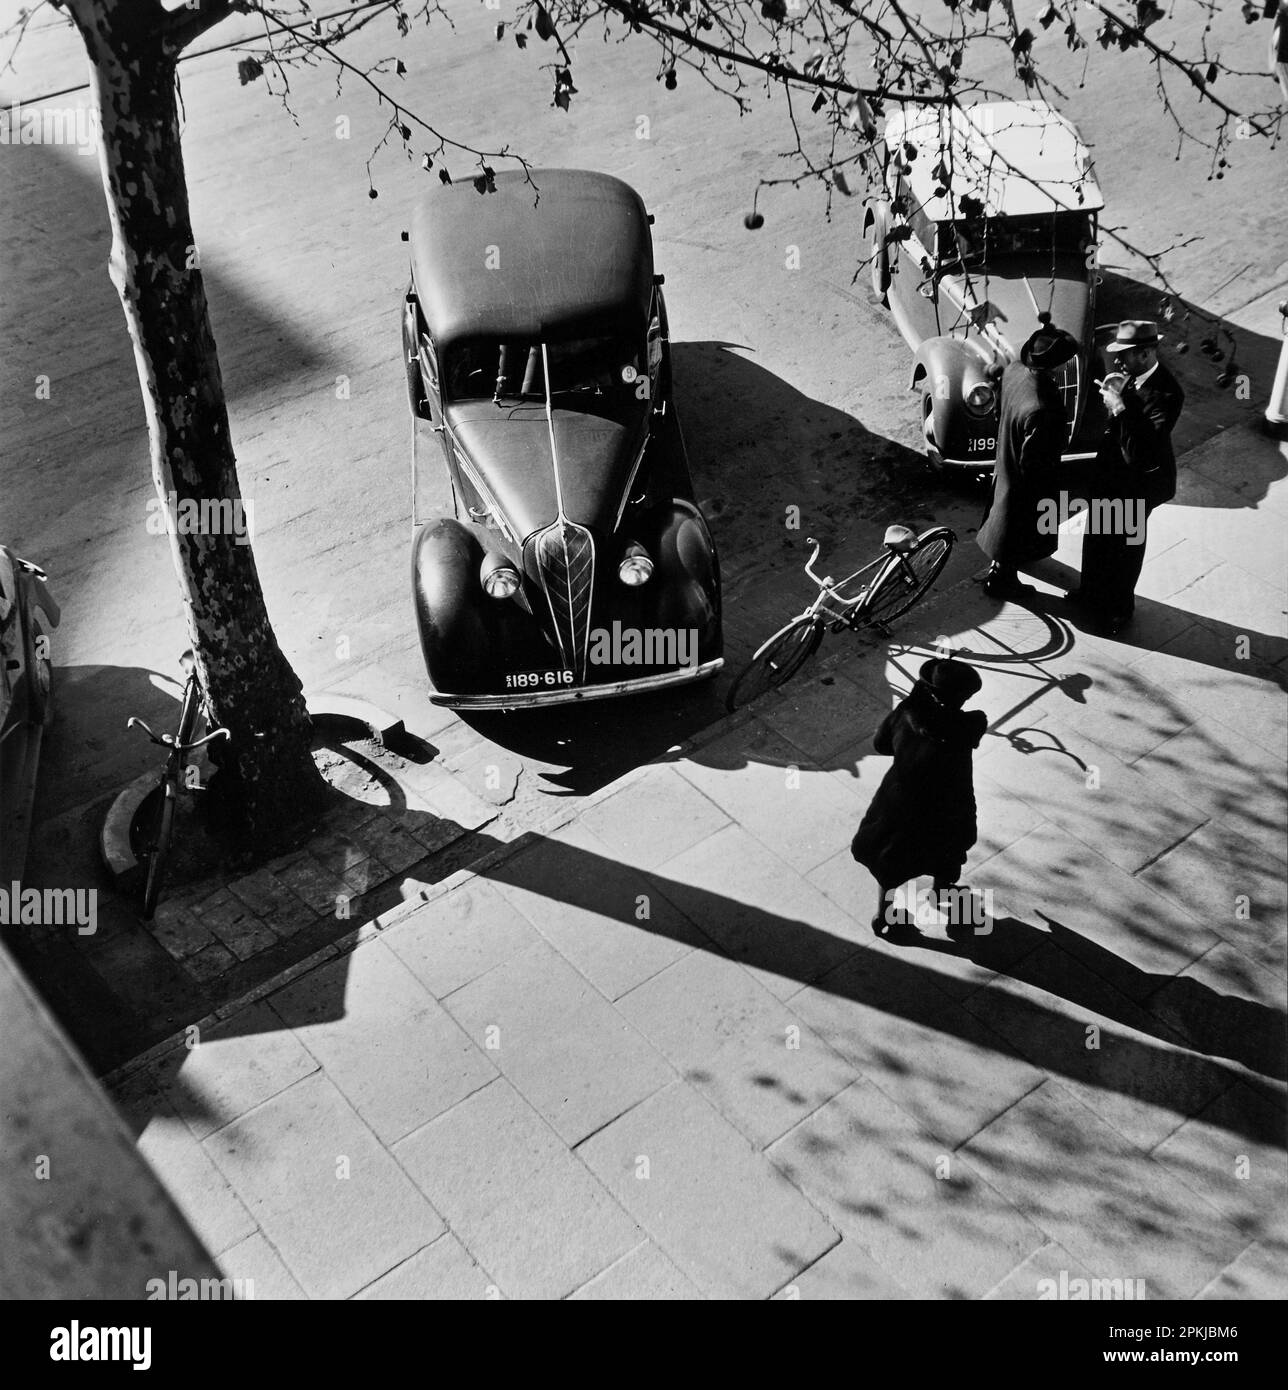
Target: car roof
{"type": "Point", "coordinates": [1018, 158]}
{"type": "Point", "coordinates": [570, 257]}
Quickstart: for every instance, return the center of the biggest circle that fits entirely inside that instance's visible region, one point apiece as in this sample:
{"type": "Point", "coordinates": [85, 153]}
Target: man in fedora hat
{"type": "Point", "coordinates": [922, 818]}
{"type": "Point", "coordinates": [1134, 464]}
{"type": "Point", "coordinates": [1031, 435]}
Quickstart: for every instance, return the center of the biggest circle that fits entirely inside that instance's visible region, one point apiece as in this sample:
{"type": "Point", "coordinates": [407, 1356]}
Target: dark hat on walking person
{"type": "Point", "coordinates": [1049, 347]}
{"type": "Point", "coordinates": [951, 682]}
{"type": "Point", "coordinates": [1134, 333]}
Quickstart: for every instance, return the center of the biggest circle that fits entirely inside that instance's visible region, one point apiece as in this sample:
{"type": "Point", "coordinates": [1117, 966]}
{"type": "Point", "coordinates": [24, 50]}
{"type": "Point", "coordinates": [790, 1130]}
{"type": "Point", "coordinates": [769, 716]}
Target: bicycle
{"type": "Point", "coordinates": [908, 566]}
{"type": "Point", "coordinates": [152, 830]}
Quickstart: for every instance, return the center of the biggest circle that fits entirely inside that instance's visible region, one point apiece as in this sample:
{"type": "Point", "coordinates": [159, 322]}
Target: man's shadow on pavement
{"type": "Point", "coordinates": [1217, 1025]}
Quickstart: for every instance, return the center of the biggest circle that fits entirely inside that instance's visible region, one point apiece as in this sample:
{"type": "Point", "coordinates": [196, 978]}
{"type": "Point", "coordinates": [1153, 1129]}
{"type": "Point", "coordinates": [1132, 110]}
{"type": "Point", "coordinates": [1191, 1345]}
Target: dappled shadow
{"type": "Point", "coordinates": [787, 952]}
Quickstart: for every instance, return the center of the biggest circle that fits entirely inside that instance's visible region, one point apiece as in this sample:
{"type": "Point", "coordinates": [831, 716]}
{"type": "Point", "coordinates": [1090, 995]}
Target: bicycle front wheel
{"type": "Point", "coordinates": [160, 833]}
{"type": "Point", "coordinates": [906, 579]}
{"type": "Point", "coordinates": [777, 661]}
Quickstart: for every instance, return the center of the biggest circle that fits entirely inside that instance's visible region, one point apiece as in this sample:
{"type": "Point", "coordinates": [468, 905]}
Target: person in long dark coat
{"type": "Point", "coordinates": [1136, 465]}
{"type": "Point", "coordinates": [922, 819]}
{"type": "Point", "coordinates": [1031, 435]}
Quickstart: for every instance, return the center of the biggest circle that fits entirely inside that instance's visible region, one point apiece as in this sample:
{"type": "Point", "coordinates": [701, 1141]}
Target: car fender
{"type": "Point", "coordinates": [416, 393]}
{"type": "Point", "coordinates": [876, 226]}
{"type": "Point", "coordinates": [688, 568]}
{"type": "Point", "coordinates": [943, 370]}
{"type": "Point", "coordinates": [466, 638]}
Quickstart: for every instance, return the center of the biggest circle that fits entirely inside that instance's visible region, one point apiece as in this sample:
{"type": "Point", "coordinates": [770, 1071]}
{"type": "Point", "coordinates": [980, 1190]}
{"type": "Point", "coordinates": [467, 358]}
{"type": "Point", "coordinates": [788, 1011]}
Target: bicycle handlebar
{"type": "Point", "coordinates": [170, 741]}
{"type": "Point", "coordinates": [809, 565]}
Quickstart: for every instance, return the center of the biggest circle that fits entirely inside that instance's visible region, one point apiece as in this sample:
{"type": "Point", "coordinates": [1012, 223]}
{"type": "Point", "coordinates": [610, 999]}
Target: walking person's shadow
{"type": "Point", "coordinates": [1215, 1024]}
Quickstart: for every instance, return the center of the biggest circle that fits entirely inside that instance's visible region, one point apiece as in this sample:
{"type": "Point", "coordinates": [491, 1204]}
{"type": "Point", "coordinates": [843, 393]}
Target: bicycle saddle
{"type": "Point", "coordinates": [187, 661]}
{"type": "Point", "coordinates": [899, 539]}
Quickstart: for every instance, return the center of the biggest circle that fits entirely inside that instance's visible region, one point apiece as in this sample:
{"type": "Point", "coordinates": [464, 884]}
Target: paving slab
{"type": "Point", "coordinates": [1224, 1005]}
{"type": "Point", "coordinates": [769, 786]}
{"type": "Point", "coordinates": [1103, 1046]}
{"type": "Point", "coordinates": [726, 1217]}
{"type": "Point", "coordinates": [645, 1273]}
{"type": "Point", "coordinates": [653, 818]}
{"type": "Point", "coordinates": [1096, 798]}
{"type": "Point", "coordinates": [1114, 1208]}
{"type": "Point", "coordinates": [746, 1051]}
{"type": "Point", "coordinates": [742, 897]}
{"type": "Point", "coordinates": [565, 1049]}
{"type": "Point", "coordinates": [1051, 877]}
{"type": "Point", "coordinates": [1232, 1154]}
{"type": "Point", "coordinates": [443, 1270]}
{"type": "Point", "coordinates": [922, 1213]}
{"type": "Point", "coordinates": [1257, 1273]}
{"type": "Point", "coordinates": [949, 1070]}
{"type": "Point", "coordinates": [231, 1068]}
{"type": "Point", "coordinates": [1227, 775]}
{"type": "Point", "coordinates": [1202, 670]}
{"type": "Point", "coordinates": [846, 1272]}
{"type": "Point", "coordinates": [459, 936]}
{"type": "Point", "coordinates": [391, 1048]}
{"type": "Point", "coordinates": [205, 1198]}
{"type": "Point", "coordinates": [1032, 1279]}
{"type": "Point", "coordinates": [606, 918]}
{"type": "Point", "coordinates": [528, 1210]}
{"type": "Point", "coordinates": [325, 1193]}
{"type": "Point", "coordinates": [1232, 885]}
{"type": "Point", "coordinates": [256, 1262]}
{"type": "Point", "coordinates": [823, 714]}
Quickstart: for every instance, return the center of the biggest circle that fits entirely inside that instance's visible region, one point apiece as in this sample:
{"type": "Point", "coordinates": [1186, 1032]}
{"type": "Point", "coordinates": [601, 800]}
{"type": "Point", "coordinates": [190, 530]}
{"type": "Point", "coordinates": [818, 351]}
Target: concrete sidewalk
{"type": "Point", "coordinates": [658, 1052]}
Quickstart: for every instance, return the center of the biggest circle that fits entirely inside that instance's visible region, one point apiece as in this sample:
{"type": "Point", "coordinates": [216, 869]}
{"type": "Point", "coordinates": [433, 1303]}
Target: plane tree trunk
{"type": "Point", "coordinates": [266, 779]}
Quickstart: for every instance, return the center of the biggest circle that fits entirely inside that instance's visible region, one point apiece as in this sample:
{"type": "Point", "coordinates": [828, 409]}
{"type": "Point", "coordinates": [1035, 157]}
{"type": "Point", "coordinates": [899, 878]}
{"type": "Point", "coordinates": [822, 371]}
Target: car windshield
{"type": "Point", "coordinates": [974, 241]}
{"type": "Point", "coordinates": [490, 368]}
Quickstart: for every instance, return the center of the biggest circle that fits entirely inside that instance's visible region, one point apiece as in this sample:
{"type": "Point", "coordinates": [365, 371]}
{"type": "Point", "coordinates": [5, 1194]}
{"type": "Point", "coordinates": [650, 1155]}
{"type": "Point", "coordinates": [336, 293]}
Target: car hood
{"type": "Point", "coordinates": [509, 448]}
{"type": "Point", "coordinates": [1062, 291]}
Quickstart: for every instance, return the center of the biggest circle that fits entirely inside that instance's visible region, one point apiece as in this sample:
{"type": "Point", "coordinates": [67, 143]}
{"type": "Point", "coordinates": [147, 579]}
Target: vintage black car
{"type": "Point", "coordinates": [576, 565]}
{"type": "Point", "coordinates": [28, 617]}
{"type": "Point", "coordinates": [987, 225]}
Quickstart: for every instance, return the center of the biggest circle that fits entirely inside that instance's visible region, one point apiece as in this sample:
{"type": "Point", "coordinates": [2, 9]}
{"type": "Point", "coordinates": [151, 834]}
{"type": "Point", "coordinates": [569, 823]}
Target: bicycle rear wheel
{"type": "Point", "coordinates": [157, 848]}
{"type": "Point", "coordinates": [777, 661]}
{"type": "Point", "coordinates": [906, 579]}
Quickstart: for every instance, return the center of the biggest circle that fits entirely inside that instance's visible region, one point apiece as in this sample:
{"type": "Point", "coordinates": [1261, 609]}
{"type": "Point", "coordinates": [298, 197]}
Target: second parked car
{"type": "Point", "coordinates": [988, 225]}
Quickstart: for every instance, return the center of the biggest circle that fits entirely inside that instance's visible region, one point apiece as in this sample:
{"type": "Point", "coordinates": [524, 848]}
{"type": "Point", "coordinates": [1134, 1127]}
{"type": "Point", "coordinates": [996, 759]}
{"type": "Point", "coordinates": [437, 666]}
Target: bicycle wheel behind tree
{"type": "Point", "coordinates": [777, 661]}
{"type": "Point", "coordinates": [907, 577]}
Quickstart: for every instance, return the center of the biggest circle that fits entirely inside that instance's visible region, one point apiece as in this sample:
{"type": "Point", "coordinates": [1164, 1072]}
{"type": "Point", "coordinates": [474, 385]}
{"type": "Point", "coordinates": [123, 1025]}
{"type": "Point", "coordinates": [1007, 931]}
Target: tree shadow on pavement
{"type": "Point", "coordinates": [587, 906]}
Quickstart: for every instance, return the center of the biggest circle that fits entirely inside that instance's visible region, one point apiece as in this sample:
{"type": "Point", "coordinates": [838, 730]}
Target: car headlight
{"type": "Point", "coordinates": [636, 567]}
{"type": "Point", "coordinates": [499, 576]}
{"type": "Point", "coordinates": [981, 398]}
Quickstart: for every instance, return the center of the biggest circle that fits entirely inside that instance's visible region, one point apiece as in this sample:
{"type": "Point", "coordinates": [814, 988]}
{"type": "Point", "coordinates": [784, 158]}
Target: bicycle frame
{"type": "Point", "coordinates": [849, 613]}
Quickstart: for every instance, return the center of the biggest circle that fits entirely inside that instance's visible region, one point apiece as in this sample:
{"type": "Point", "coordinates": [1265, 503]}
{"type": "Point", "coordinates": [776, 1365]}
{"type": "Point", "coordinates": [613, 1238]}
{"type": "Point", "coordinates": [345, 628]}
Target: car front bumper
{"type": "Point", "coordinates": [608, 690]}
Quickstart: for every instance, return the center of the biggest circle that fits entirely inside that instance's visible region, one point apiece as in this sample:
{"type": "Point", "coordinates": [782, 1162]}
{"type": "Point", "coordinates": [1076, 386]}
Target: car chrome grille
{"type": "Point", "coordinates": [565, 556]}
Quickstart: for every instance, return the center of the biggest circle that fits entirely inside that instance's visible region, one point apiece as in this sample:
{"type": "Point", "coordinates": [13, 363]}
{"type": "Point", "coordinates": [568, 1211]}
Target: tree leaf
{"type": "Point", "coordinates": [545, 26]}
{"type": "Point", "coordinates": [838, 178]}
{"type": "Point", "coordinates": [248, 69]}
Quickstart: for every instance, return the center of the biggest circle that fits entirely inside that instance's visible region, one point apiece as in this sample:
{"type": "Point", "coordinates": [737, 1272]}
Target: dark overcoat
{"type": "Point", "coordinates": [1031, 433]}
{"type": "Point", "coordinates": [1135, 462]}
{"type": "Point", "coordinates": [922, 819]}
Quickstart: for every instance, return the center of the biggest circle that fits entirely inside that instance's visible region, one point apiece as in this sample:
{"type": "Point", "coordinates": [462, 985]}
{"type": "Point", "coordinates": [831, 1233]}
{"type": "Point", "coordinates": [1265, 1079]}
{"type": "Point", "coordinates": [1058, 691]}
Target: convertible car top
{"type": "Point", "coordinates": [513, 264]}
{"type": "Point", "coordinates": [1016, 158]}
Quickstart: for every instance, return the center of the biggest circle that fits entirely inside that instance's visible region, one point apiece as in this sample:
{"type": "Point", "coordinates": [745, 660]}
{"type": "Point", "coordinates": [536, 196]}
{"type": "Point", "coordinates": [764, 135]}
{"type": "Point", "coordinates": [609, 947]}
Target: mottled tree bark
{"type": "Point", "coordinates": [266, 777]}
